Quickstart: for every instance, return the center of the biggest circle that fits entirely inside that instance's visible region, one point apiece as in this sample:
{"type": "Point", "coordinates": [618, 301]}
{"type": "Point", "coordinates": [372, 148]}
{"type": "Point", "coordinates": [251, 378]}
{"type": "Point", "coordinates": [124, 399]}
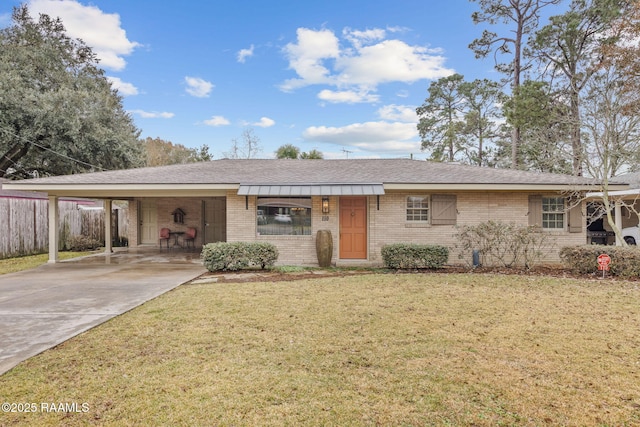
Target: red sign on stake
{"type": "Point", "coordinates": [603, 263]}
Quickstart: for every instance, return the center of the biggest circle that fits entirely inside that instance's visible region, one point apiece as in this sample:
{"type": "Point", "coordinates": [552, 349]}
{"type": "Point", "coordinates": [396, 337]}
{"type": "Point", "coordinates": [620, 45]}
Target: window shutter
{"type": "Point", "coordinates": [535, 210]}
{"type": "Point", "coordinates": [444, 209]}
{"type": "Point", "coordinates": [575, 218]}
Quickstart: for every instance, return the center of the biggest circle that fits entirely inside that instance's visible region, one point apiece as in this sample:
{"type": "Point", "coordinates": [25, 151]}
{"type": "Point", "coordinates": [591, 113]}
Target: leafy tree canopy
{"type": "Point", "coordinates": [313, 154]}
{"type": "Point", "coordinates": [59, 112]}
{"type": "Point", "coordinates": [290, 151]}
{"type": "Point", "coordinates": [287, 151]}
{"type": "Point", "coordinates": [158, 152]}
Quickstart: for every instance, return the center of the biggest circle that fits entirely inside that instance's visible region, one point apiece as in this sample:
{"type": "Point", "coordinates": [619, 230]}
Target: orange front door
{"type": "Point", "coordinates": [353, 227]}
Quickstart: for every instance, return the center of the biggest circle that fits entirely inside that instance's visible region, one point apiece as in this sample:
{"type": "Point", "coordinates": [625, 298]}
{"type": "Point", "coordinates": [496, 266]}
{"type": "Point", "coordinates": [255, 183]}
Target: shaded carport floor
{"type": "Point", "coordinates": [45, 306]}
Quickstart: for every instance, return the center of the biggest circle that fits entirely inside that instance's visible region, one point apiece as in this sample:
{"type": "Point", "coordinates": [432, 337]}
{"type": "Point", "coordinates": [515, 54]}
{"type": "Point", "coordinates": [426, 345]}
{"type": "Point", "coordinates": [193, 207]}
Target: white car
{"type": "Point", "coordinates": [631, 235]}
{"type": "Point", "coordinates": [282, 218]}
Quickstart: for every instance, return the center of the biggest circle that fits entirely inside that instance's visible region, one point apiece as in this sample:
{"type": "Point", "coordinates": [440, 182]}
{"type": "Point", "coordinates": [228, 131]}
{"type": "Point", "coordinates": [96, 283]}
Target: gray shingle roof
{"type": "Point", "coordinates": [633, 179]}
{"type": "Point", "coordinates": [352, 171]}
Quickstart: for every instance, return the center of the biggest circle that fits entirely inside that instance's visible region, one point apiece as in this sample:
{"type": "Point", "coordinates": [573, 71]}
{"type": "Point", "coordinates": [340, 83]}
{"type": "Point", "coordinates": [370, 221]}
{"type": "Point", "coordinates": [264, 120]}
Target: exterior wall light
{"type": "Point", "coordinates": [325, 205]}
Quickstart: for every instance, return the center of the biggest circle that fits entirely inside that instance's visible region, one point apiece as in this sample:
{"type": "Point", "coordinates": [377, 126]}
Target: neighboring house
{"type": "Point", "coordinates": [364, 203]}
{"type": "Point", "coordinates": [625, 213]}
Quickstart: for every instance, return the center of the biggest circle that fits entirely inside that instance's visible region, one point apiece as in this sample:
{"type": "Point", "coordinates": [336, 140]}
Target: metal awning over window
{"type": "Point", "coordinates": [311, 190]}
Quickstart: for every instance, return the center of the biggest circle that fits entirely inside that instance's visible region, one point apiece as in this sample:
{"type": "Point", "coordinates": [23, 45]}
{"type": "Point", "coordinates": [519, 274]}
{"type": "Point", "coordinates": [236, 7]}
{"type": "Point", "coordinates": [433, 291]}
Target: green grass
{"type": "Point", "coordinates": [12, 265]}
{"type": "Point", "coordinates": [290, 269]}
{"type": "Point", "coordinates": [421, 349]}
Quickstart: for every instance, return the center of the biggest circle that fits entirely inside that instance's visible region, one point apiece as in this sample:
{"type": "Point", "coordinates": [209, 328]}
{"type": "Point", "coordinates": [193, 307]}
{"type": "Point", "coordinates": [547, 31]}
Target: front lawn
{"type": "Point", "coordinates": [12, 265]}
{"type": "Point", "coordinates": [386, 349]}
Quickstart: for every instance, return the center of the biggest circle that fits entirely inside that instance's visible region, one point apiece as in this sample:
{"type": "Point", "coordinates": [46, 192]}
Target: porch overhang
{"type": "Point", "coordinates": [124, 191]}
{"type": "Point", "coordinates": [296, 190]}
{"type": "Point", "coordinates": [623, 194]}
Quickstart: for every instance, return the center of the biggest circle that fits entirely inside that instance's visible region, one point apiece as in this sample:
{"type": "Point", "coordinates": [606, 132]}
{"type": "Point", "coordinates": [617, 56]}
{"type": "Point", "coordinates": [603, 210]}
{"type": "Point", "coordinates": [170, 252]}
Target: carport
{"type": "Point", "coordinates": [128, 185]}
{"type": "Point", "coordinates": [620, 199]}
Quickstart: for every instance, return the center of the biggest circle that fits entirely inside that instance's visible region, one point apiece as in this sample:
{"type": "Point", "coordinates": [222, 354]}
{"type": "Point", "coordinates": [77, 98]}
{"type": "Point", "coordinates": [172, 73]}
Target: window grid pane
{"type": "Point", "coordinates": [417, 209]}
{"type": "Point", "coordinates": [553, 212]}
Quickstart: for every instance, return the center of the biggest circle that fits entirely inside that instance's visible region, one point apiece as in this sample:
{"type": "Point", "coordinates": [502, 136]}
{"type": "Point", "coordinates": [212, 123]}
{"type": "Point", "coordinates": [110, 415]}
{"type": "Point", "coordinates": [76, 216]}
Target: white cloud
{"type": "Point", "coordinates": [398, 113]}
{"type": "Point", "coordinates": [198, 87]}
{"type": "Point", "coordinates": [306, 57]}
{"type": "Point", "coordinates": [391, 61]}
{"type": "Point", "coordinates": [99, 30]}
{"type": "Point", "coordinates": [217, 121]}
{"type": "Point", "coordinates": [359, 38]}
{"type": "Point", "coordinates": [243, 54]}
{"type": "Point", "coordinates": [124, 88]}
{"type": "Point", "coordinates": [369, 136]}
{"type": "Point", "coordinates": [153, 114]}
{"type": "Point", "coordinates": [265, 122]}
{"type": "Point", "coordinates": [347, 96]}
{"type": "Point", "coordinates": [370, 59]}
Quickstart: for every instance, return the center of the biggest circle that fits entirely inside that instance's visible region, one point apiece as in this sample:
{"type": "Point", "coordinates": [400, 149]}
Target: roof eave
{"type": "Point", "coordinates": [491, 187]}
{"type": "Point", "coordinates": [126, 190]}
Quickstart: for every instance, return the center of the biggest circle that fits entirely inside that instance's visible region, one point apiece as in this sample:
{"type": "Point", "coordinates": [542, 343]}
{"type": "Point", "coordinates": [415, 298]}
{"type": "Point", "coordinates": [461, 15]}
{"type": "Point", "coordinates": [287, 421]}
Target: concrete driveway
{"type": "Point", "coordinates": [45, 306]}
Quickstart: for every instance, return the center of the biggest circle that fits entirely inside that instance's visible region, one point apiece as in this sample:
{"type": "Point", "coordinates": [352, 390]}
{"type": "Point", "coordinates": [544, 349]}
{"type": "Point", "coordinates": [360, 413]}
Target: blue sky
{"type": "Point", "coordinates": [326, 75]}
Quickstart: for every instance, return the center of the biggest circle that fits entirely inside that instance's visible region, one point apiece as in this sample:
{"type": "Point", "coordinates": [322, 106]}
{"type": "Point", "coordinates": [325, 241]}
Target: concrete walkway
{"type": "Point", "coordinates": [45, 306]}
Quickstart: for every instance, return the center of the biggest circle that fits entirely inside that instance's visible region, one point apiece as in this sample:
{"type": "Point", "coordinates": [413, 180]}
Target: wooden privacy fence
{"type": "Point", "coordinates": [24, 225]}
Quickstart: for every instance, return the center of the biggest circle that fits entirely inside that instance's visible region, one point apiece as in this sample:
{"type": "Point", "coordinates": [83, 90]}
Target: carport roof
{"type": "Point", "coordinates": [229, 174]}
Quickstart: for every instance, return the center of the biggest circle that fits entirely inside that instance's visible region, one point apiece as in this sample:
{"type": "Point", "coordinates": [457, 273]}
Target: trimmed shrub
{"type": "Point", "coordinates": [505, 244]}
{"type": "Point", "coordinates": [263, 254]}
{"type": "Point", "coordinates": [238, 255]}
{"type": "Point", "coordinates": [408, 255]}
{"type": "Point", "coordinates": [625, 261]}
{"type": "Point", "coordinates": [83, 243]}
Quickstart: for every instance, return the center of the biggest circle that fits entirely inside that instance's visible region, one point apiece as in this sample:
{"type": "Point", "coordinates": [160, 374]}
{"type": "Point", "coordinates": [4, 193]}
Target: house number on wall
{"type": "Point", "coordinates": [325, 217]}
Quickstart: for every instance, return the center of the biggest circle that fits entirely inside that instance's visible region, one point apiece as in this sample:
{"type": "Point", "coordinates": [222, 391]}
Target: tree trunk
{"type": "Point", "coordinates": [12, 155]}
{"type": "Point", "coordinates": [576, 145]}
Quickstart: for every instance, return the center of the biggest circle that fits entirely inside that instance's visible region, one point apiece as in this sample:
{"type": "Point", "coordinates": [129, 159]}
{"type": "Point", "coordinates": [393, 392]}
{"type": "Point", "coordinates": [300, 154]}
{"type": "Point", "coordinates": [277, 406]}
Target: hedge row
{"type": "Point", "coordinates": [238, 255]}
{"type": "Point", "coordinates": [625, 261]}
{"type": "Point", "coordinates": [407, 255]}
{"type": "Point", "coordinates": [83, 243]}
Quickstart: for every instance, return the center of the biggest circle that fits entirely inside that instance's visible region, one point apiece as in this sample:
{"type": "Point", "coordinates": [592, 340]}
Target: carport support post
{"type": "Point", "coordinates": [54, 215]}
{"type": "Point", "coordinates": [107, 226]}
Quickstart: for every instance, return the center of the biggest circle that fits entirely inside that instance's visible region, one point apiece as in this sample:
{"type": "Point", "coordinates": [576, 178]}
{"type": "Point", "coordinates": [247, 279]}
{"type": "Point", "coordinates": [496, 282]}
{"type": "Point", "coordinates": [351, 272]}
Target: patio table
{"type": "Point", "coordinates": [176, 234]}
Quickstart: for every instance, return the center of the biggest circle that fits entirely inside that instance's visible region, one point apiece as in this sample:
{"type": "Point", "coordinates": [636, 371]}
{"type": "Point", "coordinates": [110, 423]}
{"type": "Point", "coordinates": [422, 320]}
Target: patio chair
{"type": "Point", "coordinates": [165, 234]}
{"type": "Point", "coordinates": [190, 238]}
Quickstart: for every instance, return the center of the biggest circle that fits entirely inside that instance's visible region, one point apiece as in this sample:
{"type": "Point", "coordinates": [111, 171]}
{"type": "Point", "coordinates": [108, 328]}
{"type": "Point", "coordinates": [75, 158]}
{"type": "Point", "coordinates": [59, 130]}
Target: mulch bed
{"type": "Point", "coordinates": [276, 276]}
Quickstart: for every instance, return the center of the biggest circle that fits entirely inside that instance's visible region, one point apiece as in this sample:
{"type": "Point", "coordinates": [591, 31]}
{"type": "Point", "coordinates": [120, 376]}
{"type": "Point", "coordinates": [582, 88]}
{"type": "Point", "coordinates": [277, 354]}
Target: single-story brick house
{"type": "Point", "coordinates": [364, 203]}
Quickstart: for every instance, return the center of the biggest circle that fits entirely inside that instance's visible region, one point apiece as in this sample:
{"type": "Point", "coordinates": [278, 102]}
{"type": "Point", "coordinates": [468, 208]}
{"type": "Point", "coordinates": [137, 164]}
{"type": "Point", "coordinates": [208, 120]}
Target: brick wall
{"type": "Point", "coordinates": [293, 250]}
{"type": "Point", "coordinates": [387, 224]}
{"type": "Point", "coordinates": [192, 208]}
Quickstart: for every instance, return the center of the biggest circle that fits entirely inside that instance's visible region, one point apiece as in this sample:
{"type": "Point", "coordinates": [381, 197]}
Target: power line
{"type": "Point", "coordinates": [7, 131]}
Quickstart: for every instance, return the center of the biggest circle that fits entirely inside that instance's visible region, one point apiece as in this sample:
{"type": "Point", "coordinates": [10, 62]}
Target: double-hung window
{"type": "Point", "coordinates": [553, 212]}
